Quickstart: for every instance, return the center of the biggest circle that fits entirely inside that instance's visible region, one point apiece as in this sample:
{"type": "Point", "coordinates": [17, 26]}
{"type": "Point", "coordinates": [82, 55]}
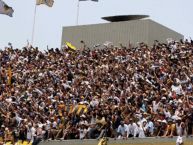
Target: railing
{"type": "Point", "coordinates": [136, 141]}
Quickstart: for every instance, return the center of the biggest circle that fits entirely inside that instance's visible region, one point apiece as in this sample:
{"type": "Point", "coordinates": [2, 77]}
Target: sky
{"type": "Point", "coordinates": [175, 14]}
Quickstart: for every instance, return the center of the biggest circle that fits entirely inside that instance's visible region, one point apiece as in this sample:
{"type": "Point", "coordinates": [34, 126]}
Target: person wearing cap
{"type": "Point", "coordinates": [161, 126]}
{"type": "Point", "coordinates": [170, 130]}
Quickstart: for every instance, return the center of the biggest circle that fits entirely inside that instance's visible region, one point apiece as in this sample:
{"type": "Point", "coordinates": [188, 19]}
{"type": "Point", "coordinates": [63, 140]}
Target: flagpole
{"type": "Point", "coordinates": [33, 28]}
{"type": "Point", "coordinates": [78, 8]}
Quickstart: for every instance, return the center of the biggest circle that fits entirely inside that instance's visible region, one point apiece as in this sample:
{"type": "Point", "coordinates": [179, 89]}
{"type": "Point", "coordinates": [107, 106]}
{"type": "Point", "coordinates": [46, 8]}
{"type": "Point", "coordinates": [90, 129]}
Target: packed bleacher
{"type": "Point", "coordinates": [116, 92]}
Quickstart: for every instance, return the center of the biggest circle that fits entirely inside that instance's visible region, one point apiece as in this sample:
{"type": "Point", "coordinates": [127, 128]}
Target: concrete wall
{"type": "Point", "coordinates": [115, 32]}
{"type": "Point", "coordinates": [118, 32]}
{"type": "Point", "coordinates": [147, 141]}
{"type": "Point", "coordinates": [161, 33]}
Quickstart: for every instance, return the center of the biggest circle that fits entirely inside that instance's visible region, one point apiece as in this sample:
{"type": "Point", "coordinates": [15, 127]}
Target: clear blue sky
{"type": "Point", "coordinates": [175, 14]}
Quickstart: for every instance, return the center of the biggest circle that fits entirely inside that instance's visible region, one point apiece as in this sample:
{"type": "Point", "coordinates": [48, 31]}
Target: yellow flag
{"type": "Point", "coordinates": [25, 143]}
{"type": "Point", "coordinates": [69, 45]}
{"type": "Point", "coordinates": [103, 141]}
{"type": "Point", "coordinates": [80, 109]}
{"type": "Point", "coordinates": [69, 109]}
{"type": "Point", "coordinates": [85, 110]}
{"type": "Point", "coordinates": [9, 76]}
{"type": "Point", "coordinates": [19, 142]}
{"type": "Point", "coordinates": [8, 143]}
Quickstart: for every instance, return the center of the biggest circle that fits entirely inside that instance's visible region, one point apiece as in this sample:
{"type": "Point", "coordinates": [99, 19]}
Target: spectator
{"type": "Point", "coordinates": [121, 131]}
{"type": "Point", "coordinates": [133, 129]}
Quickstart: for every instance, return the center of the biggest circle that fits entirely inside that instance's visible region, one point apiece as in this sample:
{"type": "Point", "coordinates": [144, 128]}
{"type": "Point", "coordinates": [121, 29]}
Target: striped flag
{"type": "Point", "coordinates": [90, 0]}
{"type": "Point", "coordinates": [80, 109]}
{"type": "Point", "coordinates": [69, 108]}
{"type": "Point", "coordinates": [5, 9]}
{"type": "Point", "coordinates": [49, 3]}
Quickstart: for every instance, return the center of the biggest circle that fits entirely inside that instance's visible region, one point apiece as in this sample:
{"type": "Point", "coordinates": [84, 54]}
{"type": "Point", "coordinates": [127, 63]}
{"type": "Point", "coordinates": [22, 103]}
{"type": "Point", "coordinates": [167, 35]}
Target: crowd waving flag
{"type": "Point", "coordinates": [49, 3]}
{"type": "Point", "coordinates": [90, 0]}
{"type": "Point", "coordinates": [5, 9]}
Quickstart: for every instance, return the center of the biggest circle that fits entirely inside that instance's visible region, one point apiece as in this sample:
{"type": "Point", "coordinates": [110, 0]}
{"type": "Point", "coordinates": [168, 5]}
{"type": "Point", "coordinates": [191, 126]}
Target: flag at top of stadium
{"type": "Point", "coordinates": [5, 9]}
{"type": "Point", "coordinates": [49, 3]}
{"type": "Point", "coordinates": [90, 0]}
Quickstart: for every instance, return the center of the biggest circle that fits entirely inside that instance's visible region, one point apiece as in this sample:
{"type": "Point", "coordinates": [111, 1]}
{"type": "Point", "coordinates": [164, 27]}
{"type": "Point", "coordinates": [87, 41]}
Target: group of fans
{"type": "Point", "coordinates": [117, 92]}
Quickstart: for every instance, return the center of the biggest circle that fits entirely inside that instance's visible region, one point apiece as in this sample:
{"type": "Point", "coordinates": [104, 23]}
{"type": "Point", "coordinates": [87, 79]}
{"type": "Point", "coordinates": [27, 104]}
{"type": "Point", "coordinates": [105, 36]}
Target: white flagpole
{"type": "Point", "coordinates": [34, 22]}
{"type": "Point", "coordinates": [78, 8]}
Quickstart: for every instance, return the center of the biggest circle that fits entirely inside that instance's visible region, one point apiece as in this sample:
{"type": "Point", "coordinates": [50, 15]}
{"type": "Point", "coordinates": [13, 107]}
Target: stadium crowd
{"type": "Point", "coordinates": [116, 92]}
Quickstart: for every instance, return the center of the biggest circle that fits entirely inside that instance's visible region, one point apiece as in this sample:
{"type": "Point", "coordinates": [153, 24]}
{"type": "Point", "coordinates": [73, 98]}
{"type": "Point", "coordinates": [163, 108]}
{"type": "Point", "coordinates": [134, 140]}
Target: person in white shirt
{"type": "Point", "coordinates": [82, 131]}
{"type": "Point", "coordinates": [167, 113]}
{"type": "Point", "coordinates": [156, 104]}
{"type": "Point", "coordinates": [94, 102]}
{"type": "Point", "coordinates": [143, 118]}
{"type": "Point", "coordinates": [132, 129]}
{"type": "Point", "coordinates": [177, 88]}
{"type": "Point", "coordinates": [180, 128]}
{"type": "Point", "coordinates": [83, 120]}
{"type": "Point", "coordinates": [149, 127]}
{"type": "Point", "coordinates": [122, 129]}
{"type": "Point", "coordinates": [31, 132]}
{"type": "Point", "coordinates": [142, 129]}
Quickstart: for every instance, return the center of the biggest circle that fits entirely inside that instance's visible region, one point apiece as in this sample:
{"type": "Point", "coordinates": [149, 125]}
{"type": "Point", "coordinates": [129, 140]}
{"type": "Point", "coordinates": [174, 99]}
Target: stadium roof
{"type": "Point", "coordinates": [124, 18]}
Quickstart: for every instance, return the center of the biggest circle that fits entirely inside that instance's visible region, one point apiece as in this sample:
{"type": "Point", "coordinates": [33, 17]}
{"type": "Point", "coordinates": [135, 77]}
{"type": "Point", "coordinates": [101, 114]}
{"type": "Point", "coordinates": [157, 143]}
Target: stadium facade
{"type": "Point", "coordinates": [121, 29]}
